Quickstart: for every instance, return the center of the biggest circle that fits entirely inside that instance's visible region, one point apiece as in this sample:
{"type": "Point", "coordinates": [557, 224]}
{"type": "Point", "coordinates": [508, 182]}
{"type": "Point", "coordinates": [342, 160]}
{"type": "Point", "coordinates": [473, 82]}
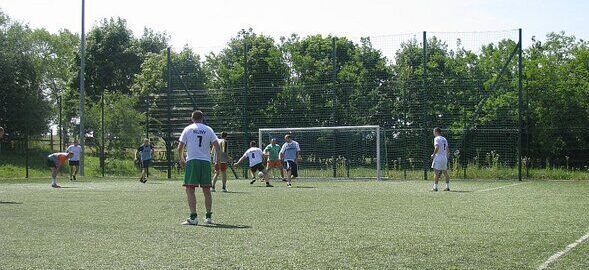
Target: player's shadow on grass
{"type": "Point", "coordinates": [302, 187]}
{"type": "Point", "coordinates": [226, 226]}
{"type": "Point", "coordinates": [3, 202]}
{"type": "Point", "coordinates": [461, 191]}
{"type": "Point", "coordinates": [235, 192]}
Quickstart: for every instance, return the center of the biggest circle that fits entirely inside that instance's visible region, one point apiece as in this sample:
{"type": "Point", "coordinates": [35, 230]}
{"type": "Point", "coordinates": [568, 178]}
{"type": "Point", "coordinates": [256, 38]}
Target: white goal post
{"type": "Point", "coordinates": [375, 129]}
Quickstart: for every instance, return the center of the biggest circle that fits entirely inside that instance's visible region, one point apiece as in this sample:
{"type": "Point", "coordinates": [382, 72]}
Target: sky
{"type": "Point", "coordinates": [208, 25]}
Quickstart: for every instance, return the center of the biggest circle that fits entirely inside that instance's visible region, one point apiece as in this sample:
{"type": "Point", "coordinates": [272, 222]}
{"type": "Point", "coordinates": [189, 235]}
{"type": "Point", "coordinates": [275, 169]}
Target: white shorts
{"type": "Point", "coordinates": [440, 163]}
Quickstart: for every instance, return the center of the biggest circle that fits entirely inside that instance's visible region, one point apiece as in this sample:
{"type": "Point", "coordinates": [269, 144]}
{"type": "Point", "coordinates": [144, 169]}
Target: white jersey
{"type": "Point", "coordinates": [77, 150]}
{"type": "Point", "coordinates": [290, 150]}
{"type": "Point", "coordinates": [198, 139]}
{"type": "Point", "coordinates": [255, 156]}
{"type": "Point", "coordinates": [442, 143]}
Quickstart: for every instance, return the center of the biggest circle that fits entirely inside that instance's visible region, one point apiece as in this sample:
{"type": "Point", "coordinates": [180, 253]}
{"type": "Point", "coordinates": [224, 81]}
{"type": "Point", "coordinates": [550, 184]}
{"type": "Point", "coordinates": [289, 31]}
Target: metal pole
{"type": "Point", "coordinates": [520, 105]}
{"type": "Point", "coordinates": [334, 101]}
{"type": "Point", "coordinates": [169, 128]}
{"type": "Point", "coordinates": [27, 165]}
{"type": "Point", "coordinates": [245, 96]}
{"type": "Point", "coordinates": [378, 173]}
{"type": "Point", "coordinates": [423, 105]}
{"type": "Point", "coordinates": [102, 156]}
{"type": "Point", "coordinates": [60, 126]}
{"type": "Point", "coordinates": [147, 118]}
{"type": "Point", "coordinates": [82, 74]}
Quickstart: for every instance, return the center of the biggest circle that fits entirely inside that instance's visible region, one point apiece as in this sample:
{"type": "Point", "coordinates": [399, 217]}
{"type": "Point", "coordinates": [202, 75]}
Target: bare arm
{"type": "Point", "coordinates": [239, 161]}
{"type": "Point", "coordinates": [436, 150]}
{"type": "Point", "coordinates": [218, 151]}
{"type": "Point", "coordinates": [181, 146]}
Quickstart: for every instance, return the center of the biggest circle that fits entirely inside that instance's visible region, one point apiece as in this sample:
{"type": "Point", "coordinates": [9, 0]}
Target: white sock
{"type": "Point", "coordinates": [435, 186]}
{"type": "Point", "coordinates": [53, 181]}
{"type": "Point", "coordinates": [448, 185]}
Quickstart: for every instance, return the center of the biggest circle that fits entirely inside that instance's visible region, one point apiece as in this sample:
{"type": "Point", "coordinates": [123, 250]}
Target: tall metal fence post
{"type": "Point", "coordinates": [520, 106]}
{"type": "Point", "coordinates": [27, 165]}
{"type": "Point", "coordinates": [102, 156]}
{"type": "Point", "coordinates": [334, 102]}
{"type": "Point", "coordinates": [82, 138]}
{"type": "Point", "coordinates": [245, 97]}
{"type": "Point", "coordinates": [424, 107]}
{"type": "Point", "coordinates": [169, 127]}
{"type": "Point", "coordinates": [60, 125]}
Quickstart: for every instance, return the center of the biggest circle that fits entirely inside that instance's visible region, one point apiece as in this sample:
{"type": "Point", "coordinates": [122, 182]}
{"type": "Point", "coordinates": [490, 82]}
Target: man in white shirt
{"type": "Point", "coordinates": [256, 160]}
{"type": "Point", "coordinates": [197, 138]}
{"type": "Point", "coordinates": [440, 159]}
{"type": "Point", "coordinates": [290, 156]}
{"type": "Point", "coordinates": [74, 162]}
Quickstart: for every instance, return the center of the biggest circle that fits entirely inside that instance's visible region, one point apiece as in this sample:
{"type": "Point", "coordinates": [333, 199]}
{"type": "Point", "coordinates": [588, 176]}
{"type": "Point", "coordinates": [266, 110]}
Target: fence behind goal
{"type": "Point", "coordinates": [469, 84]}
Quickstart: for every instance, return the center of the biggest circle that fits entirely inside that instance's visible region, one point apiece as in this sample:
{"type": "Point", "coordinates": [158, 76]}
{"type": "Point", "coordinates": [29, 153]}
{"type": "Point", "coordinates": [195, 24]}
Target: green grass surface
{"type": "Point", "coordinates": [117, 223]}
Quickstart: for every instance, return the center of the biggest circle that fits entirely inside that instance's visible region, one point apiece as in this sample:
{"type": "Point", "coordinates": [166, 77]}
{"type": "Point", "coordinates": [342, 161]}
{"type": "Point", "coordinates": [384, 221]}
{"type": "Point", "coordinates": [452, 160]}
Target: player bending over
{"type": "Point", "coordinates": [76, 149]}
{"type": "Point", "coordinates": [289, 154]}
{"type": "Point", "coordinates": [272, 152]}
{"type": "Point", "coordinates": [256, 160]}
{"type": "Point", "coordinates": [145, 153]}
{"type": "Point", "coordinates": [197, 138]}
{"type": "Point", "coordinates": [221, 167]}
{"type": "Point", "coordinates": [55, 161]}
{"type": "Point", "coordinates": [440, 159]}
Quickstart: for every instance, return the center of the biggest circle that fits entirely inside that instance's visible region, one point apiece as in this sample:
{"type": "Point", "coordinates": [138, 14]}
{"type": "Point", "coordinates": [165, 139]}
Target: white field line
{"type": "Point", "coordinates": [561, 253]}
{"type": "Point", "coordinates": [501, 187]}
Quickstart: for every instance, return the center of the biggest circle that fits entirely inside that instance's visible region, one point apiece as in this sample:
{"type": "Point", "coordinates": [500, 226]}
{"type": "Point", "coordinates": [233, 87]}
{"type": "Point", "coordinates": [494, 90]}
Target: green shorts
{"type": "Point", "coordinates": [198, 173]}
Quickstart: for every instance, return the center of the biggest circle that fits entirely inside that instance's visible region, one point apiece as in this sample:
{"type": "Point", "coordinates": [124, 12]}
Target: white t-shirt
{"type": "Point", "coordinates": [441, 142]}
{"type": "Point", "coordinates": [290, 150]}
{"type": "Point", "coordinates": [255, 156]}
{"type": "Point", "coordinates": [77, 150]}
{"type": "Point", "coordinates": [198, 139]}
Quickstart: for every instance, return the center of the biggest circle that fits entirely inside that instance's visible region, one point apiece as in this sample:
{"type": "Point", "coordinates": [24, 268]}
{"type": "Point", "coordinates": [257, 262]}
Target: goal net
{"type": "Point", "coordinates": [333, 152]}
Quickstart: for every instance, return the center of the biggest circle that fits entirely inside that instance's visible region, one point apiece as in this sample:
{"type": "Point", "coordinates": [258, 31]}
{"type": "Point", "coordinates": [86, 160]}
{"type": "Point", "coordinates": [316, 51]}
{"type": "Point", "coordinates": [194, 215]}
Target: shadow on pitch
{"type": "Point", "coordinates": [2, 202]}
{"type": "Point", "coordinates": [226, 226]}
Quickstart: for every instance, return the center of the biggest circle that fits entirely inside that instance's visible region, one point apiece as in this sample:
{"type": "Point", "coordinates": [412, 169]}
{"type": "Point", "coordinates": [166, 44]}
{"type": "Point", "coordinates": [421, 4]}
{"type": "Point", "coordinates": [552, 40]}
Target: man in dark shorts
{"type": "Point", "coordinates": [290, 156]}
{"type": "Point", "coordinates": [256, 160]}
{"type": "Point", "coordinates": [145, 153]}
{"type": "Point", "coordinates": [75, 160]}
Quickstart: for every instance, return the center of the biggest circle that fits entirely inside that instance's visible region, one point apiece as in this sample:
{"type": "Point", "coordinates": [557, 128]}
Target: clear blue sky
{"type": "Point", "coordinates": [211, 23]}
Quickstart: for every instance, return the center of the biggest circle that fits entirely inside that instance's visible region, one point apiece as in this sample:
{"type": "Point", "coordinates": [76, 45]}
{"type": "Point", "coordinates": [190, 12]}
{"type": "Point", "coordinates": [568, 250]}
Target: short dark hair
{"type": "Point", "coordinates": [287, 136]}
{"type": "Point", "coordinates": [438, 130]}
{"type": "Point", "coordinates": [197, 115]}
{"type": "Point", "coordinates": [2, 129]}
{"type": "Point", "coordinates": [252, 143]}
{"type": "Point", "coordinates": [223, 134]}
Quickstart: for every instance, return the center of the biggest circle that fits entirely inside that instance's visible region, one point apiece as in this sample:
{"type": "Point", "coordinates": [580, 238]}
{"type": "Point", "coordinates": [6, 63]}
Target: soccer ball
{"type": "Point", "coordinates": [261, 175]}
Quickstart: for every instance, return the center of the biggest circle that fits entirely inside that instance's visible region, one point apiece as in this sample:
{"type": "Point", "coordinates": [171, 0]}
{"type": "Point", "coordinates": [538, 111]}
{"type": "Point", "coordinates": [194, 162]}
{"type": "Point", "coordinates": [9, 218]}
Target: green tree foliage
{"type": "Point", "coordinates": [24, 106]}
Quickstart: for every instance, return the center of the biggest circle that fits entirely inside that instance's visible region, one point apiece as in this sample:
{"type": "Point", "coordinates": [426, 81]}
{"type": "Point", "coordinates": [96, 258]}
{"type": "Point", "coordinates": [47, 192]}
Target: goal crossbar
{"type": "Point", "coordinates": [376, 129]}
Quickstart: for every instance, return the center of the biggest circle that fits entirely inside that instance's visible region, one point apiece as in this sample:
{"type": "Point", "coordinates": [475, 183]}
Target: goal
{"type": "Point", "coordinates": [333, 152]}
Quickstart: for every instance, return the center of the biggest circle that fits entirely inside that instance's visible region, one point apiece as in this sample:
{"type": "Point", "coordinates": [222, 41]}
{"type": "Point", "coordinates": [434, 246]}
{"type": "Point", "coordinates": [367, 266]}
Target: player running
{"type": "Point", "coordinates": [75, 160]}
{"type": "Point", "coordinates": [256, 160]}
{"type": "Point", "coordinates": [272, 152]}
{"type": "Point", "coordinates": [144, 154]}
{"type": "Point", "coordinates": [197, 138]}
{"type": "Point", "coordinates": [440, 159]}
{"type": "Point", "coordinates": [221, 167]}
{"type": "Point", "coordinates": [55, 161]}
{"type": "Point", "coordinates": [289, 154]}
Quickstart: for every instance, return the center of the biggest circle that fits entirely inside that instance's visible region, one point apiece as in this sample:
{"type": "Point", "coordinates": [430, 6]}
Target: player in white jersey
{"type": "Point", "coordinates": [75, 160]}
{"type": "Point", "coordinates": [197, 139]}
{"type": "Point", "coordinates": [256, 162]}
{"type": "Point", "coordinates": [440, 159]}
{"type": "Point", "coordinates": [289, 153]}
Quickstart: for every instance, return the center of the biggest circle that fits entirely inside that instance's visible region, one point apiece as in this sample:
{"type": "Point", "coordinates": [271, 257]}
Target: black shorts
{"type": "Point", "coordinates": [258, 167]}
{"type": "Point", "coordinates": [292, 167]}
{"type": "Point", "coordinates": [145, 163]}
{"type": "Point", "coordinates": [74, 163]}
{"type": "Point", "coordinates": [51, 164]}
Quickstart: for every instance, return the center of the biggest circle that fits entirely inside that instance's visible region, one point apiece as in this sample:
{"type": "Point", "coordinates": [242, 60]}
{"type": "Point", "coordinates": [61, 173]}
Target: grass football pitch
{"type": "Point", "coordinates": [122, 224]}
